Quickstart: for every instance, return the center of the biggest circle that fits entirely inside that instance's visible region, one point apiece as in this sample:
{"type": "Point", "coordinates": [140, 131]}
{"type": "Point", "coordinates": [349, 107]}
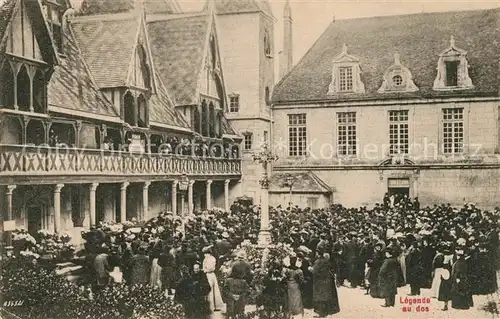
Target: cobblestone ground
{"type": "Point", "coordinates": [354, 304]}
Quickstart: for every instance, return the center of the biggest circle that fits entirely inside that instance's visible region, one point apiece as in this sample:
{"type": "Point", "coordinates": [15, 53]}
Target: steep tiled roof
{"type": "Point", "coordinates": [71, 86]}
{"type": "Point", "coordinates": [243, 6]}
{"type": "Point", "coordinates": [6, 11]}
{"type": "Point", "coordinates": [178, 46]}
{"type": "Point", "coordinates": [419, 39]}
{"type": "Point", "coordinates": [161, 6]}
{"type": "Point", "coordinates": [162, 109]}
{"type": "Point", "coordinates": [302, 182]}
{"type": "Point", "coordinates": [107, 43]}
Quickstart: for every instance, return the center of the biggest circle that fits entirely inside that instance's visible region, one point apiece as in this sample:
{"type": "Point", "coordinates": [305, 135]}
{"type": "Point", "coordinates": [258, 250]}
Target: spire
{"type": "Point", "coordinates": [286, 57]}
{"type": "Point", "coordinates": [287, 10]}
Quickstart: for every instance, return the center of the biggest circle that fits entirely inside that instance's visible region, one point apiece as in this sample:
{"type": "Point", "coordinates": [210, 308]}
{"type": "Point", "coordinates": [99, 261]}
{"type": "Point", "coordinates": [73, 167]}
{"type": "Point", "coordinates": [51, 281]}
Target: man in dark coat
{"type": "Point", "coordinates": [140, 267]}
{"type": "Point", "coordinates": [192, 292]}
{"type": "Point", "coordinates": [461, 296]}
{"type": "Point", "coordinates": [415, 268]}
{"type": "Point", "coordinates": [388, 278]}
{"type": "Point", "coordinates": [325, 296]}
{"type": "Point", "coordinates": [351, 256]}
{"type": "Point", "coordinates": [240, 269]}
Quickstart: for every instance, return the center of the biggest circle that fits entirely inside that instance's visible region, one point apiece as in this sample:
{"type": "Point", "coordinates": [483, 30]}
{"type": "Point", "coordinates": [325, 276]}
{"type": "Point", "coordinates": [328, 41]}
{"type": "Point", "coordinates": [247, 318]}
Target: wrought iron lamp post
{"type": "Point", "coordinates": [264, 157]}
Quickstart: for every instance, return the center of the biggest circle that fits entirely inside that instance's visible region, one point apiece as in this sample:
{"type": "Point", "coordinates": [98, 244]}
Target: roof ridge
{"type": "Point", "coordinates": [104, 17]}
{"type": "Point", "coordinates": [155, 17]}
{"type": "Point", "coordinates": [414, 14]}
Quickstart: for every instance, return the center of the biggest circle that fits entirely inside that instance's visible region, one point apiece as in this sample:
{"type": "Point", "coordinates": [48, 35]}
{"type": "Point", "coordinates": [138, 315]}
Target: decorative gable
{"type": "Point", "coordinates": [346, 74]}
{"type": "Point", "coordinates": [397, 78]}
{"type": "Point", "coordinates": [453, 69]}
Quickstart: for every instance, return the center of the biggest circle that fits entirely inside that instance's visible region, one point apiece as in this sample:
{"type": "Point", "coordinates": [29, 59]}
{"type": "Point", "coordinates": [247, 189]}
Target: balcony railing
{"type": "Point", "coordinates": [32, 160]}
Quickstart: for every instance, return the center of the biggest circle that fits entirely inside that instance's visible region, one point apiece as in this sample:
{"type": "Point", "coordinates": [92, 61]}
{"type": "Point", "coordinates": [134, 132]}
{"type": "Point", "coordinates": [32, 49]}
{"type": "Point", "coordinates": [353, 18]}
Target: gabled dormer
{"type": "Point", "coordinates": [140, 83]}
{"type": "Point", "coordinates": [27, 58]}
{"type": "Point", "coordinates": [207, 116]}
{"type": "Point", "coordinates": [54, 15]}
{"type": "Point", "coordinates": [397, 78]}
{"type": "Point", "coordinates": [346, 74]}
{"type": "Point", "coordinates": [453, 69]}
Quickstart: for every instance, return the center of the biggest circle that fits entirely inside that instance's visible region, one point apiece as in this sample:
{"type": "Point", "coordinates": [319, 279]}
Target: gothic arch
{"type": "Point", "coordinates": [129, 108]}
{"type": "Point", "coordinates": [23, 89]}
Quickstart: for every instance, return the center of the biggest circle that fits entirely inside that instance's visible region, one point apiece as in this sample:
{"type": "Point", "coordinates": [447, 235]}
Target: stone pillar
{"type": "Point", "coordinates": [190, 197]}
{"type": "Point", "coordinates": [174, 197]}
{"type": "Point", "coordinates": [209, 194]}
{"type": "Point", "coordinates": [93, 218]}
{"type": "Point", "coordinates": [57, 208]}
{"type": "Point", "coordinates": [123, 198]}
{"type": "Point", "coordinates": [226, 195]}
{"type": "Point", "coordinates": [145, 200]}
{"type": "Point", "coordinates": [10, 190]}
{"type": "Point", "coordinates": [264, 234]}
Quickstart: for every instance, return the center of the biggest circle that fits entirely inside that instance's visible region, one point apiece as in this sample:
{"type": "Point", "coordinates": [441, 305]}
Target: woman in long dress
{"type": "Point", "coordinates": [461, 296]}
{"type": "Point", "coordinates": [325, 296]}
{"type": "Point", "coordinates": [294, 278]}
{"type": "Point", "coordinates": [214, 297]}
{"type": "Point", "coordinates": [444, 291]}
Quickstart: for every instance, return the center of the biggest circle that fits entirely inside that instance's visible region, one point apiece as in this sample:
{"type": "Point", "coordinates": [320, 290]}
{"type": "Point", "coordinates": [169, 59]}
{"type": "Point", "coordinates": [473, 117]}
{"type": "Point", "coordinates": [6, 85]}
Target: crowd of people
{"type": "Point", "coordinates": [453, 252]}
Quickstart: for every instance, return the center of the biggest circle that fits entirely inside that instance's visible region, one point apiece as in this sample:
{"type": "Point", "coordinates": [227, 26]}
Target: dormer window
{"type": "Point", "coordinates": [54, 15]}
{"type": "Point", "coordinates": [397, 78]}
{"type": "Point", "coordinates": [135, 110]}
{"type": "Point", "coordinates": [453, 69]}
{"type": "Point", "coordinates": [346, 74]}
{"type": "Point", "coordinates": [345, 79]}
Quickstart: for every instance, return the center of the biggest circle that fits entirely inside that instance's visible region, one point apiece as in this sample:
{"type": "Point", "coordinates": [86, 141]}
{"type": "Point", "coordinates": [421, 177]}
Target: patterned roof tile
{"type": "Point", "coordinates": [418, 38]}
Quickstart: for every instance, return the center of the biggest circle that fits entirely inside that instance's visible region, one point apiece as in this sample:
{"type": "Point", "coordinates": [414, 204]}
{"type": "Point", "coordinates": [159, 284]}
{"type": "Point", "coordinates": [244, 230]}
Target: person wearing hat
{"type": "Point", "coordinates": [140, 267]}
{"type": "Point", "coordinates": [389, 277]}
{"type": "Point", "coordinates": [209, 264]}
{"type": "Point", "coordinates": [461, 296]}
{"type": "Point", "coordinates": [192, 291]}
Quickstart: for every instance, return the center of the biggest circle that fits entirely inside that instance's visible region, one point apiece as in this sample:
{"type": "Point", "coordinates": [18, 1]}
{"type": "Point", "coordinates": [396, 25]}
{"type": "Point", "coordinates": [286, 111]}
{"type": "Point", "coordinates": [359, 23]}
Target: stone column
{"type": "Point", "coordinates": [145, 200]}
{"type": "Point", "coordinates": [93, 218]}
{"type": "Point", "coordinates": [57, 208]}
{"type": "Point", "coordinates": [264, 234]}
{"type": "Point", "coordinates": [226, 195]}
{"type": "Point", "coordinates": [190, 197]}
{"type": "Point", "coordinates": [10, 190]}
{"type": "Point", "coordinates": [209, 194]}
{"type": "Point", "coordinates": [174, 197]}
{"type": "Point", "coordinates": [123, 198]}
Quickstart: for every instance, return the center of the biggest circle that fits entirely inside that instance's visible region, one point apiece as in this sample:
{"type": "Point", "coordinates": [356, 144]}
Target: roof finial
{"type": "Point", "coordinates": [452, 41]}
{"type": "Point", "coordinates": [344, 49]}
{"type": "Point", "coordinates": [397, 61]}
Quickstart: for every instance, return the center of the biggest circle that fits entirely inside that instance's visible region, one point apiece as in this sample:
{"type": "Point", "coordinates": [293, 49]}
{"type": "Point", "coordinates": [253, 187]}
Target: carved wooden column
{"type": "Point", "coordinates": [10, 190]}
{"type": "Point", "coordinates": [209, 194]}
{"type": "Point", "coordinates": [190, 197]}
{"type": "Point", "coordinates": [226, 195]}
{"type": "Point", "coordinates": [57, 208]}
{"type": "Point", "coordinates": [174, 197]}
{"type": "Point", "coordinates": [123, 198]}
{"type": "Point", "coordinates": [145, 201]}
{"type": "Point", "coordinates": [93, 189]}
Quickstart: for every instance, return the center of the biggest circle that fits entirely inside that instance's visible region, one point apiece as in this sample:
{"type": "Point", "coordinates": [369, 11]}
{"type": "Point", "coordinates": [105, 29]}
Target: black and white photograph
{"type": "Point", "coordinates": [248, 159]}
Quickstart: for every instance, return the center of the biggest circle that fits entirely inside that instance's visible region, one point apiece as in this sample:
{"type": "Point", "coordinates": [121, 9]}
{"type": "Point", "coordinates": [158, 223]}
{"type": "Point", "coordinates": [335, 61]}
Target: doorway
{"type": "Point", "coordinates": [35, 214]}
{"type": "Point", "coordinates": [399, 191]}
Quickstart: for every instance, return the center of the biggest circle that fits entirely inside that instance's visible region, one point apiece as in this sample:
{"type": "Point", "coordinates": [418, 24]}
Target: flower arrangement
{"type": "Point", "coordinates": [46, 295]}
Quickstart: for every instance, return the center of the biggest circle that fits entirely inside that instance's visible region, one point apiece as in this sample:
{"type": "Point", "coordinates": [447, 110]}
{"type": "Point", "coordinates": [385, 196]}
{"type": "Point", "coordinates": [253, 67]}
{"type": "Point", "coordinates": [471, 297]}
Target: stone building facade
{"type": "Point", "coordinates": [400, 104]}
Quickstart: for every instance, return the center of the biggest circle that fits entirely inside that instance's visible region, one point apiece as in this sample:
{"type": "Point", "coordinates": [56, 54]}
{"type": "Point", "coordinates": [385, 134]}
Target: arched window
{"type": "Point", "coordinates": [129, 109]}
{"type": "Point", "coordinates": [39, 85]}
{"type": "Point", "coordinates": [23, 89]}
{"type": "Point", "coordinates": [35, 132]}
{"type": "Point", "coordinates": [211, 122]}
{"type": "Point", "coordinates": [213, 52]}
{"type": "Point", "coordinates": [196, 120]}
{"type": "Point", "coordinates": [142, 111]}
{"type": "Point", "coordinates": [7, 87]}
{"type": "Point", "coordinates": [204, 117]}
{"type": "Point", "coordinates": [218, 124]}
{"type": "Point", "coordinates": [267, 95]}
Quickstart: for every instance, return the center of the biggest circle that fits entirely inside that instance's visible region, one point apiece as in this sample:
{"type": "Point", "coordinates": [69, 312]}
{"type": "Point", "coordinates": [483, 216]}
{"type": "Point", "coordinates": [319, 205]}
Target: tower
{"type": "Point", "coordinates": [246, 40]}
{"type": "Point", "coordinates": [286, 57]}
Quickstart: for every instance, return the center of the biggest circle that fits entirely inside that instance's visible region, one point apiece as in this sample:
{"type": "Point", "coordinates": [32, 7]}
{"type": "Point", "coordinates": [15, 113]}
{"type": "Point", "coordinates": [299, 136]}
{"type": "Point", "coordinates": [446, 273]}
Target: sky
{"type": "Point", "coordinates": [312, 17]}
